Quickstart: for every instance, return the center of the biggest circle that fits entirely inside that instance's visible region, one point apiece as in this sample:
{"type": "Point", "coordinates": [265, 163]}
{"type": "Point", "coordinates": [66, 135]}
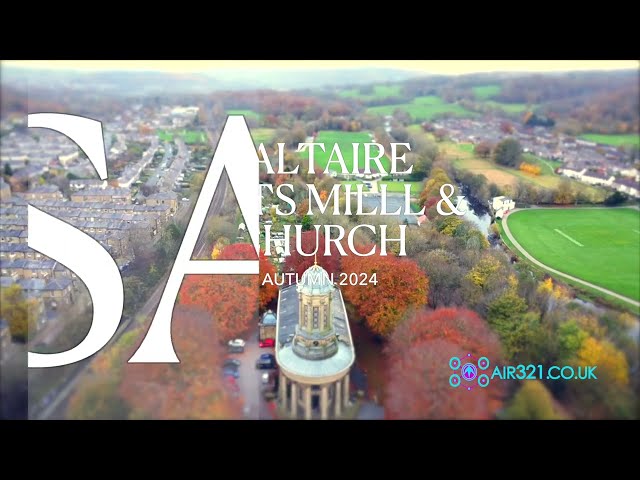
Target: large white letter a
{"type": "Point", "coordinates": [237, 153]}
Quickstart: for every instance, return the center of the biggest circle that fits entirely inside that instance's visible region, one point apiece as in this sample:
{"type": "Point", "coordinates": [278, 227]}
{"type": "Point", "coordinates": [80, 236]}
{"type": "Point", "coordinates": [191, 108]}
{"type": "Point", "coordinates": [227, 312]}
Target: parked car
{"type": "Point", "coordinates": [232, 362]}
{"type": "Point", "coordinates": [266, 361]}
{"type": "Point", "coordinates": [231, 371]}
{"type": "Point", "coordinates": [267, 343]}
{"type": "Point", "coordinates": [236, 346]}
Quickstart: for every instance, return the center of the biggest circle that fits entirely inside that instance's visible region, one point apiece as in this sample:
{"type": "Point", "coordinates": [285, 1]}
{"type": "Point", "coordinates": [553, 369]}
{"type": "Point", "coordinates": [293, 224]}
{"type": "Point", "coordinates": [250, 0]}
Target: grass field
{"type": "Point", "coordinates": [423, 108]}
{"type": "Point", "coordinates": [615, 140]}
{"type": "Point", "coordinates": [379, 91]}
{"type": "Point", "coordinates": [510, 107]}
{"type": "Point", "coordinates": [354, 185]}
{"type": "Point", "coordinates": [344, 141]}
{"type": "Point", "coordinates": [601, 246]}
{"type": "Point", "coordinates": [263, 135]}
{"type": "Point", "coordinates": [484, 92]}
{"type": "Point", "coordinates": [246, 113]}
{"type": "Point", "coordinates": [189, 136]}
{"type": "Point", "coordinates": [463, 158]}
{"type": "Point", "coordinates": [398, 187]}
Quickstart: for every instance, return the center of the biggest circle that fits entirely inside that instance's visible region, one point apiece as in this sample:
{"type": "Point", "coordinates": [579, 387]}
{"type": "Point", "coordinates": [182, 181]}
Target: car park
{"type": "Point", "coordinates": [234, 362]}
{"type": "Point", "coordinates": [266, 361]}
{"type": "Point", "coordinates": [267, 343]}
{"type": "Point", "coordinates": [236, 345]}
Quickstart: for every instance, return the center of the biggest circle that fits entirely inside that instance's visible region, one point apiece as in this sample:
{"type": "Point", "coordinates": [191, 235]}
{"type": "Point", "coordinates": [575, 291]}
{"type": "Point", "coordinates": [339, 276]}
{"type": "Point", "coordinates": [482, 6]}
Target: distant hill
{"type": "Point", "coordinates": [152, 83]}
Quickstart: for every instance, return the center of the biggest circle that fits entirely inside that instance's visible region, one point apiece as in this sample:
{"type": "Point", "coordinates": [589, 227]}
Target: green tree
{"type": "Point", "coordinates": [570, 338]}
{"type": "Point", "coordinates": [307, 223]}
{"type": "Point", "coordinates": [14, 308]}
{"type": "Point", "coordinates": [8, 171]}
{"type": "Point", "coordinates": [135, 292]}
{"type": "Point", "coordinates": [616, 198]}
{"type": "Point", "coordinates": [508, 152]}
{"type": "Point", "coordinates": [154, 274]}
{"type": "Point", "coordinates": [532, 402]}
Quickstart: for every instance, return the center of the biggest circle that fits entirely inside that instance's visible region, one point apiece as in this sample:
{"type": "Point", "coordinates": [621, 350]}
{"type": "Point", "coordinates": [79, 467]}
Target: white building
{"type": "Point", "coordinates": [502, 205]}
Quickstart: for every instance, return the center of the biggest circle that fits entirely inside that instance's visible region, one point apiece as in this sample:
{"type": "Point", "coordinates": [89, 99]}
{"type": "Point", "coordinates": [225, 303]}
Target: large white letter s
{"type": "Point", "coordinates": [76, 250]}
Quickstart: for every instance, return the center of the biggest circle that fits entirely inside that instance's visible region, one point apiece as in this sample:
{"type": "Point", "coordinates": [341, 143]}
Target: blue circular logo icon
{"type": "Point", "coordinates": [454, 380]}
{"type": "Point", "coordinates": [469, 372]}
{"type": "Point", "coordinates": [483, 380]}
{"type": "Point", "coordinates": [454, 363]}
{"type": "Point", "coordinates": [483, 363]}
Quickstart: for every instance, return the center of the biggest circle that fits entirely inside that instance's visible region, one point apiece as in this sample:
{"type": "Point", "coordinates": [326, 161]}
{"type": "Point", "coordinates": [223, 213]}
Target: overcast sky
{"type": "Point", "coordinates": [445, 67]}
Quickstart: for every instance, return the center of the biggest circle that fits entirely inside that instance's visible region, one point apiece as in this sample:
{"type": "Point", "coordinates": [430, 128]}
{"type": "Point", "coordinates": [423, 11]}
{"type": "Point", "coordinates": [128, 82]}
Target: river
{"type": "Point", "coordinates": [477, 212]}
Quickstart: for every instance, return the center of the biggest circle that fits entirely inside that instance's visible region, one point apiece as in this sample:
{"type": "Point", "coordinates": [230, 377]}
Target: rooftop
{"type": "Point", "coordinates": [287, 317]}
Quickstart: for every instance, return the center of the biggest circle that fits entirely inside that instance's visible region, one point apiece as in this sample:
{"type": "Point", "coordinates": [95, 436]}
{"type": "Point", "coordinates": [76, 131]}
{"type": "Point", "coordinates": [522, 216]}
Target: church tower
{"type": "Point", "coordinates": [314, 349]}
{"type": "Point", "coordinates": [315, 336]}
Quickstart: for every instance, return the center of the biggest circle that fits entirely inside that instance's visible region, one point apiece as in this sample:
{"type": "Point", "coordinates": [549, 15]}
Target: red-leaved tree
{"type": "Point", "coordinates": [401, 285]}
{"type": "Point", "coordinates": [299, 263]}
{"type": "Point", "coordinates": [418, 353]}
{"type": "Point", "coordinates": [230, 300]}
{"type": "Point", "coordinates": [192, 389]}
{"type": "Point", "coordinates": [245, 251]}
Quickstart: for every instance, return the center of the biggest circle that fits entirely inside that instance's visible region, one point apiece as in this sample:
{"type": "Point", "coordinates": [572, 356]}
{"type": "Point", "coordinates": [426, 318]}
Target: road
{"type": "Point", "coordinates": [505, 226]}
{"type": "Point", "coordinates": [255, 406]}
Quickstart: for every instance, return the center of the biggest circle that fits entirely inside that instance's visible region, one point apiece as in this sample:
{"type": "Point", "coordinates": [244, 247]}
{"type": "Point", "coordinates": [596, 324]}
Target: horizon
{"type": "Point", "coordinates": [426, 67]}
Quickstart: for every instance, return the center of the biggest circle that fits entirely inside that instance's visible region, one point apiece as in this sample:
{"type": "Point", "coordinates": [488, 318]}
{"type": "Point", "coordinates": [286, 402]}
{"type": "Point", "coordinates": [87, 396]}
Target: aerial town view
{"type": "Point", "coordinates": [435, 240]}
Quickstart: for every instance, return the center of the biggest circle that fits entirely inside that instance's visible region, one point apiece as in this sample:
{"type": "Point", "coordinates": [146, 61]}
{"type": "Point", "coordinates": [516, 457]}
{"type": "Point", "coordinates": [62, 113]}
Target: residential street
{"type": "Point", "coordinates": [255, 406]}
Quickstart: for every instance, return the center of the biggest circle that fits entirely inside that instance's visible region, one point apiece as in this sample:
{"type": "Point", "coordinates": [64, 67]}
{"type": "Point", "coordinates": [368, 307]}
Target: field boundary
{"type": "Point", "coordinates": [568, 237]}
{"type": "Point", "coordinates": [528, 256]}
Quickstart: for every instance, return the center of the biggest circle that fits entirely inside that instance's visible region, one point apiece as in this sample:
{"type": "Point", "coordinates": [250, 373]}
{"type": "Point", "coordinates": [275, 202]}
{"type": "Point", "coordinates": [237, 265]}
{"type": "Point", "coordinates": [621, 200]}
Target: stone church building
{"type": "Point", "coordinates": [314, 349]}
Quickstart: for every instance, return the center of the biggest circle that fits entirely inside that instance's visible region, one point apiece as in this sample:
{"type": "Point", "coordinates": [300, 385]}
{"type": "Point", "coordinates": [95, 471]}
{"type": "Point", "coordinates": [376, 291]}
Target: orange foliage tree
{"type": "Point", "coordinates": [401, 285]}
{"type": "Point", "coordinates": [192, 389]}
{"type": "Point", "coordinates": [419, 352]}
{"type": "Point", "coordinates": [530, 168]}
{"type": "Point", "coordinates": [232, 300]}
{"type": "Point", "coordinates": [245, 251]}
{"type": "Point", "coordinates": [298, 263]}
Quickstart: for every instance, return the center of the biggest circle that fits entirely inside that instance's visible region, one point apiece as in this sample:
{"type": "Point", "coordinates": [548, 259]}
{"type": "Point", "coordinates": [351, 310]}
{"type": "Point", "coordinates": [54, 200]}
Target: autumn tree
{"type": "Point", "coordinates": [14, 308]}
{"type": "Point", "coordinates": [445, 275]}
{"type": "Point", "coordinates": [401, 285]}
{"type": "Point", "coordinates": [508, 152]}
{"type": "Point", "coordinates": [192, 389]}
{"type": "Point", "coordinates": [610, 395]}
{"type": "Point", "coordinates": [418, 353]}
{"type": "Point", "coordinates": [483, 149]}
{"type": "Point", "coordinates": [564, 194]}
{"type": "Point", "coordinates": [440, 134]}
{"type": "Point", "coordinates": [533, 402]}
{"type": "Point", "coordinates": [530, 168]}
{"type": "Point", "coordinates": [298, 263]}
{"type": "Point", "coordinates": [245, 251]}
{"type": "Point", "coordinates": [97, 399]}
{"type": "Point", "coordinates": [230, 300]}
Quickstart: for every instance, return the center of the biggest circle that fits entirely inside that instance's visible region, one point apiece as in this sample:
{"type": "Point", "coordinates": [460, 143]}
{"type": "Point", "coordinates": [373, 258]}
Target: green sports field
{"type": "Point", "coordinates": [600, 246]}
{"type": "Point", "coordinates": [424, 108]}
{"type": "Point", "coordinates": [628, 139]}
{"type": "Point", "coordinates": [247, 113]}
{"type": "Point", "coordinates": [189, 136]}
{"type": "Point", "coordinates": [344, 140]}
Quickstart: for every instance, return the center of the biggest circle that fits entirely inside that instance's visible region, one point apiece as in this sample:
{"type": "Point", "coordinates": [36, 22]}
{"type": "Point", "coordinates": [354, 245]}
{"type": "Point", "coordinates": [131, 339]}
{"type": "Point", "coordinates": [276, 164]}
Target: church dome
{"type": "Point", "coordinates": [268, 318]}
{"type": "Point", "coordinates": [315, 281]}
